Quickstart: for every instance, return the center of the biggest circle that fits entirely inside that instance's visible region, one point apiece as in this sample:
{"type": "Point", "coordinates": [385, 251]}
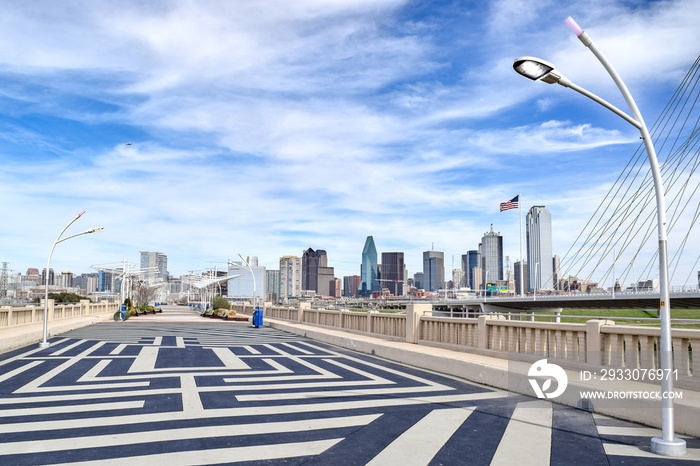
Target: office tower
{"type": "Point", "coordinates": [309, 269]}
{"type": "Point", "coordinates": [325, 276]}
{"type": "Point", "coordinates": [290, 278]}
{"type": "Point", "coordinates": [433, 270]}
{"type": "Point", "coordinates": [392, 272]}
{"type": "Point", "coordinates": [418, 280]}
{"type": "Point", "coordinates": [556, 271]}
{"type": "Point", "coordinates": [43, 277]}
{"type": "Point", "coordinates": [335, 288]}
{"type": "Point", "coordinates": [518, 279]}
{"type": "Point", "coordinates": [272, 285]}
{"type": "Point", "coordinates": [369, 274]}
{"type": "Point", "coordinates": [350, 285]}
{"type": "Point", "coordinates": [470, 260]}
{"type": "Point", "coordinates": [539, 248]}
{"type": "Point", "coordinates": [492, 256]}
{"type": "Point", "coordinates": [154, 266]}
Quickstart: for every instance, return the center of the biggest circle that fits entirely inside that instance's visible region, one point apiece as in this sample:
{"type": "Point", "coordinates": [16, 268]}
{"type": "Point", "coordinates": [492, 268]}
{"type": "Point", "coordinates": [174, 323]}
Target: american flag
{"type": "Point", "coordinates": [512, 204]}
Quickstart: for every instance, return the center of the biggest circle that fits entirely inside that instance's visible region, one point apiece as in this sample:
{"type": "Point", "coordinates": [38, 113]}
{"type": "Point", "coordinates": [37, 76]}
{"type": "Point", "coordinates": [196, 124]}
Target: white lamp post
{"type": "Point", "coordinates": [44, 343]}
{"type": "Point", "coordinates": [250, 269]}
{"type": "Point", "coordinates": [540, 70]}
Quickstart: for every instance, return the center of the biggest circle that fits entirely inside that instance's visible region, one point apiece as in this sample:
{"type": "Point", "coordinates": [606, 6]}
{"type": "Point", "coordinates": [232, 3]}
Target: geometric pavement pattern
{"type": "Point", "coordinates": [216, 392]}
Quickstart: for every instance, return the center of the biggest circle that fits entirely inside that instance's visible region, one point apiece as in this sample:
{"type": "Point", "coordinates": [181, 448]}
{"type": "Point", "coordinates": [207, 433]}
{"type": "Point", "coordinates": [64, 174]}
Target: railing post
{"type": "Point", "coordinates": [370, 320]}
{"type": "Point", "coordinates": [300, 312]}
{"type": "Point", "coordinates": [594, 341]}
{"type": "Point", "coordinates": [483, 330]}
{"type": "Point", "coordinates": [84, 307]}
{"type": "Point", "coordinates": [414, 312]}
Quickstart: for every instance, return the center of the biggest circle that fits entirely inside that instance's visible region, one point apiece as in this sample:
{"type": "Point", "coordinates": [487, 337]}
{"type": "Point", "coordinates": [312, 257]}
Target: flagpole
{"type": "Point", "coordinates": [522, 278]}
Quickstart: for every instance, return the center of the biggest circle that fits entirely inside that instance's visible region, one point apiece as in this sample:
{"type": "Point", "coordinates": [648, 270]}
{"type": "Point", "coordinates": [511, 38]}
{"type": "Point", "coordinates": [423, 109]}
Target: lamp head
{"type": "Point", "coordinates": [537, 69]}
{"type": "Point", "coordinates": [93, 230]}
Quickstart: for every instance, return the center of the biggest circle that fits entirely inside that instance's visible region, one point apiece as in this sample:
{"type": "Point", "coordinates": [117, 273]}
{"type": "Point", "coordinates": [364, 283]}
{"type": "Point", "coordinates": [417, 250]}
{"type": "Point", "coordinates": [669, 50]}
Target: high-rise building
{"type": "Point", "coordinates": [325, 276]}
{"type": "Point", "coordinates": [492, 256]}
{"type": "Point", "coordinates": [335, 288]}
{"type": "Point", "coordinates": [51, 277]}
{"type": "Point", "coordinates": [154, 266]}
{"type": "Point", "coordinates": [272, 285]}
{"type": "Point", "coordinates": [369, 273]}
{"type": "Point", "coordinates": [290, 278]}
{"type": "Point", "coordinates": [470, 261]}
{"type": "Point", "coordinates": [433, 270]}
{"type": "Point", "coordinates": [309, 270]}
{"type": "Point", "coordinates": [350, 286]}
{"type": "Point", "coordinates": [418, 280]}
{"type": "Point", "coordinates": [518, 279]}
{"type": "Point", "coordinates": [392, 272]}
{"type": "Point", "coordinates": [556, 270]}
{"type": "Point", "coordinates": [539, 248]}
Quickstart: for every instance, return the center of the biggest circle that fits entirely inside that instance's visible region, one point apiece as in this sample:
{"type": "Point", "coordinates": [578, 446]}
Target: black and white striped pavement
{"type": "Point", "coordinates": [211, 392]}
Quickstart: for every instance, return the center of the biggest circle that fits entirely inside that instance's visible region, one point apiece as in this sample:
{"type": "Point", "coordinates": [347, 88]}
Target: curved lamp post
{"type": "Point", "coordinates": [540, 70]}
{"type": "Point", "coordinates": [44, 343]}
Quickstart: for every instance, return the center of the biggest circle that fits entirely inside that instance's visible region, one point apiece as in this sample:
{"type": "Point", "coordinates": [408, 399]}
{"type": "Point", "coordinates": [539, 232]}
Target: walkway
{"type": "Point", "coordinates": [175, 388]}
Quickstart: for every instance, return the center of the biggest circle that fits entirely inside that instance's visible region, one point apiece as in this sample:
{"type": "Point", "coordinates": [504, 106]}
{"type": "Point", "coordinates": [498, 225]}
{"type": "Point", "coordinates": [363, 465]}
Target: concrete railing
{"type": "Point", "coordinates": [14, 316]}
{"type": "Point", "coordinates": [594, 343]}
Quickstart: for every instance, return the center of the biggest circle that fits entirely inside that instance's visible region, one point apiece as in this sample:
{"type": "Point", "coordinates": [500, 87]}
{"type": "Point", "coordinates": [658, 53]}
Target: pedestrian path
{"type": "Point", "coordinates": [163, 391]}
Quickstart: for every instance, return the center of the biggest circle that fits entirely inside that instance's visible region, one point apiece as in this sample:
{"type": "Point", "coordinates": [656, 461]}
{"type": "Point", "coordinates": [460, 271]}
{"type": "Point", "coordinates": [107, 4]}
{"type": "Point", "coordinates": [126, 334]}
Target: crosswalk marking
{"type": "Point", "coordinates": [222, 455]}
{"type": "Point", "coordinates": [529, 430]}
{"type": "Point", "coordinates": [424, 439]}
{"type": "Point", "coordinates": [618, 449]}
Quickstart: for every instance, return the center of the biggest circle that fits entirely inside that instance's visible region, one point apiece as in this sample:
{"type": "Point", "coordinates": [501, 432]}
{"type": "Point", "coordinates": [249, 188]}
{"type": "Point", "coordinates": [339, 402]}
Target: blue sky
{"type": "Point", "coordinates": [265, 128]}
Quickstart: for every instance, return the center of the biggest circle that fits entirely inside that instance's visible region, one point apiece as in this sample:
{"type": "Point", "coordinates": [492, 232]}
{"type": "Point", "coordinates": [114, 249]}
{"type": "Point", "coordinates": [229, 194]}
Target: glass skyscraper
{"type": "Point", "coordinates": [470, 260]}
{"type": "Point", "coordinates": [392, 272]}
{"type": "Point", "coordinates": [539, 248]}
{"type": "Point", "coordinates": [433, 270]}
{"type": "Point", "coordinates": [492, 256]}
{"type": "Point", "coordinates": [369, 276]}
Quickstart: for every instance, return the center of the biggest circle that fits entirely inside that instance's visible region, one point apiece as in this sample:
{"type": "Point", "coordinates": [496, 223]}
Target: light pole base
{"type": "Point", "coordinates": [675, 447]}
{"type": "Point", "coordinates": [44, 344]}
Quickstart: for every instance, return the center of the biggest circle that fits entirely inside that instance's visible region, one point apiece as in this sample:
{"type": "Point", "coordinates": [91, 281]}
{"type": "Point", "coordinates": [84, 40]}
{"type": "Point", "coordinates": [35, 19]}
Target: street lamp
{"type": "Point", "coordinates": [540, 70]}
{"type": "Point", "coordinates": [44, 343]}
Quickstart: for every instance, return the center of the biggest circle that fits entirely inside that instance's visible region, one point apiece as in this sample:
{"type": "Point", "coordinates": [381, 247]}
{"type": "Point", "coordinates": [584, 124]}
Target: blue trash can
{"type": "Point", "coordinates": [257, 318]}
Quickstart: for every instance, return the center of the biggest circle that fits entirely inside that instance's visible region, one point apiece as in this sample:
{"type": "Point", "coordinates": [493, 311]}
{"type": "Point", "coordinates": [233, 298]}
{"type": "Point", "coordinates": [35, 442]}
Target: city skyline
{"type": "Point", "coordinates": [208, 130]}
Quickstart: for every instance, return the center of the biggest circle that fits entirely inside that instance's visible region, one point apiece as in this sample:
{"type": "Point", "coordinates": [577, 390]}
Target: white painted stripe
{"type": "Point", "coordinates": [419, 444]}
{"type": "Point", "coordinates": [216, 456]}
{"type": "Point", "coordinates": [191, 402]}
{"type": "Point", "coordinates": [23, 355]}
{"type": "Point", "coordinates": [179, 342]}
{"type": "Point", "coordinates": [158, 341]}
{"type": "Point", "coordinates": [615, 449]}
{"type": "Point", "coordinates": [145, 361]}
{"type": "Point", "coordinates": [171, 435]}
{"type": "Point", "coordinates": [118, 349]}
{"type": "Point", "coordinates": [529, 430]}
{"type": "Point", "coordinates": [92, 374]}
{"type": "Point", "coordinates": [251, 350]}
{"type": "Point", "coordinates": [19, 370]}
{"type": "Point", "coordinates": [67, 348]}
{"type": "Point", "coordinates": [43, 410]}
{"type": "Point", "coordinates": [36, 384]}
{"type": "Point", "coordinates": [244, 411]}
{"type": "Point", "coordinates": [335, 393]}
{"type": "Point", "coordinates": [294, 347]}
{"type": "Point", "coordinates": [230, 360]}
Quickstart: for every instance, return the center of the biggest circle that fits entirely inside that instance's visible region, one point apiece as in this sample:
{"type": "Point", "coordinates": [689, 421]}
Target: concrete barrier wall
{"type": "Point", "coordinates": [594, 343]}
{"type": "Point", "coordinates": [15, 316]}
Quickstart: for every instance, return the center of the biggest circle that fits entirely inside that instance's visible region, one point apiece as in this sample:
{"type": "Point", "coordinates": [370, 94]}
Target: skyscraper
{"type": "Point", "coordinates": [309, 270]}
{"type": "Point", "coordinates": [290, 277]}
{"type": "Point", "coordinates": [492, 256]}
{"type": "Point", "coordinates": [369, 274]}
{"type": "Point", "coordinates": [539, 248]}
{"type": "Point", "coordinates": [392, 272]}
{"type": "Point", "coordinates": [154, 266]}
{"type": "Point", "coordinates": [433, 270]}
{"type": "Point", "coordinates": [470, 261]}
